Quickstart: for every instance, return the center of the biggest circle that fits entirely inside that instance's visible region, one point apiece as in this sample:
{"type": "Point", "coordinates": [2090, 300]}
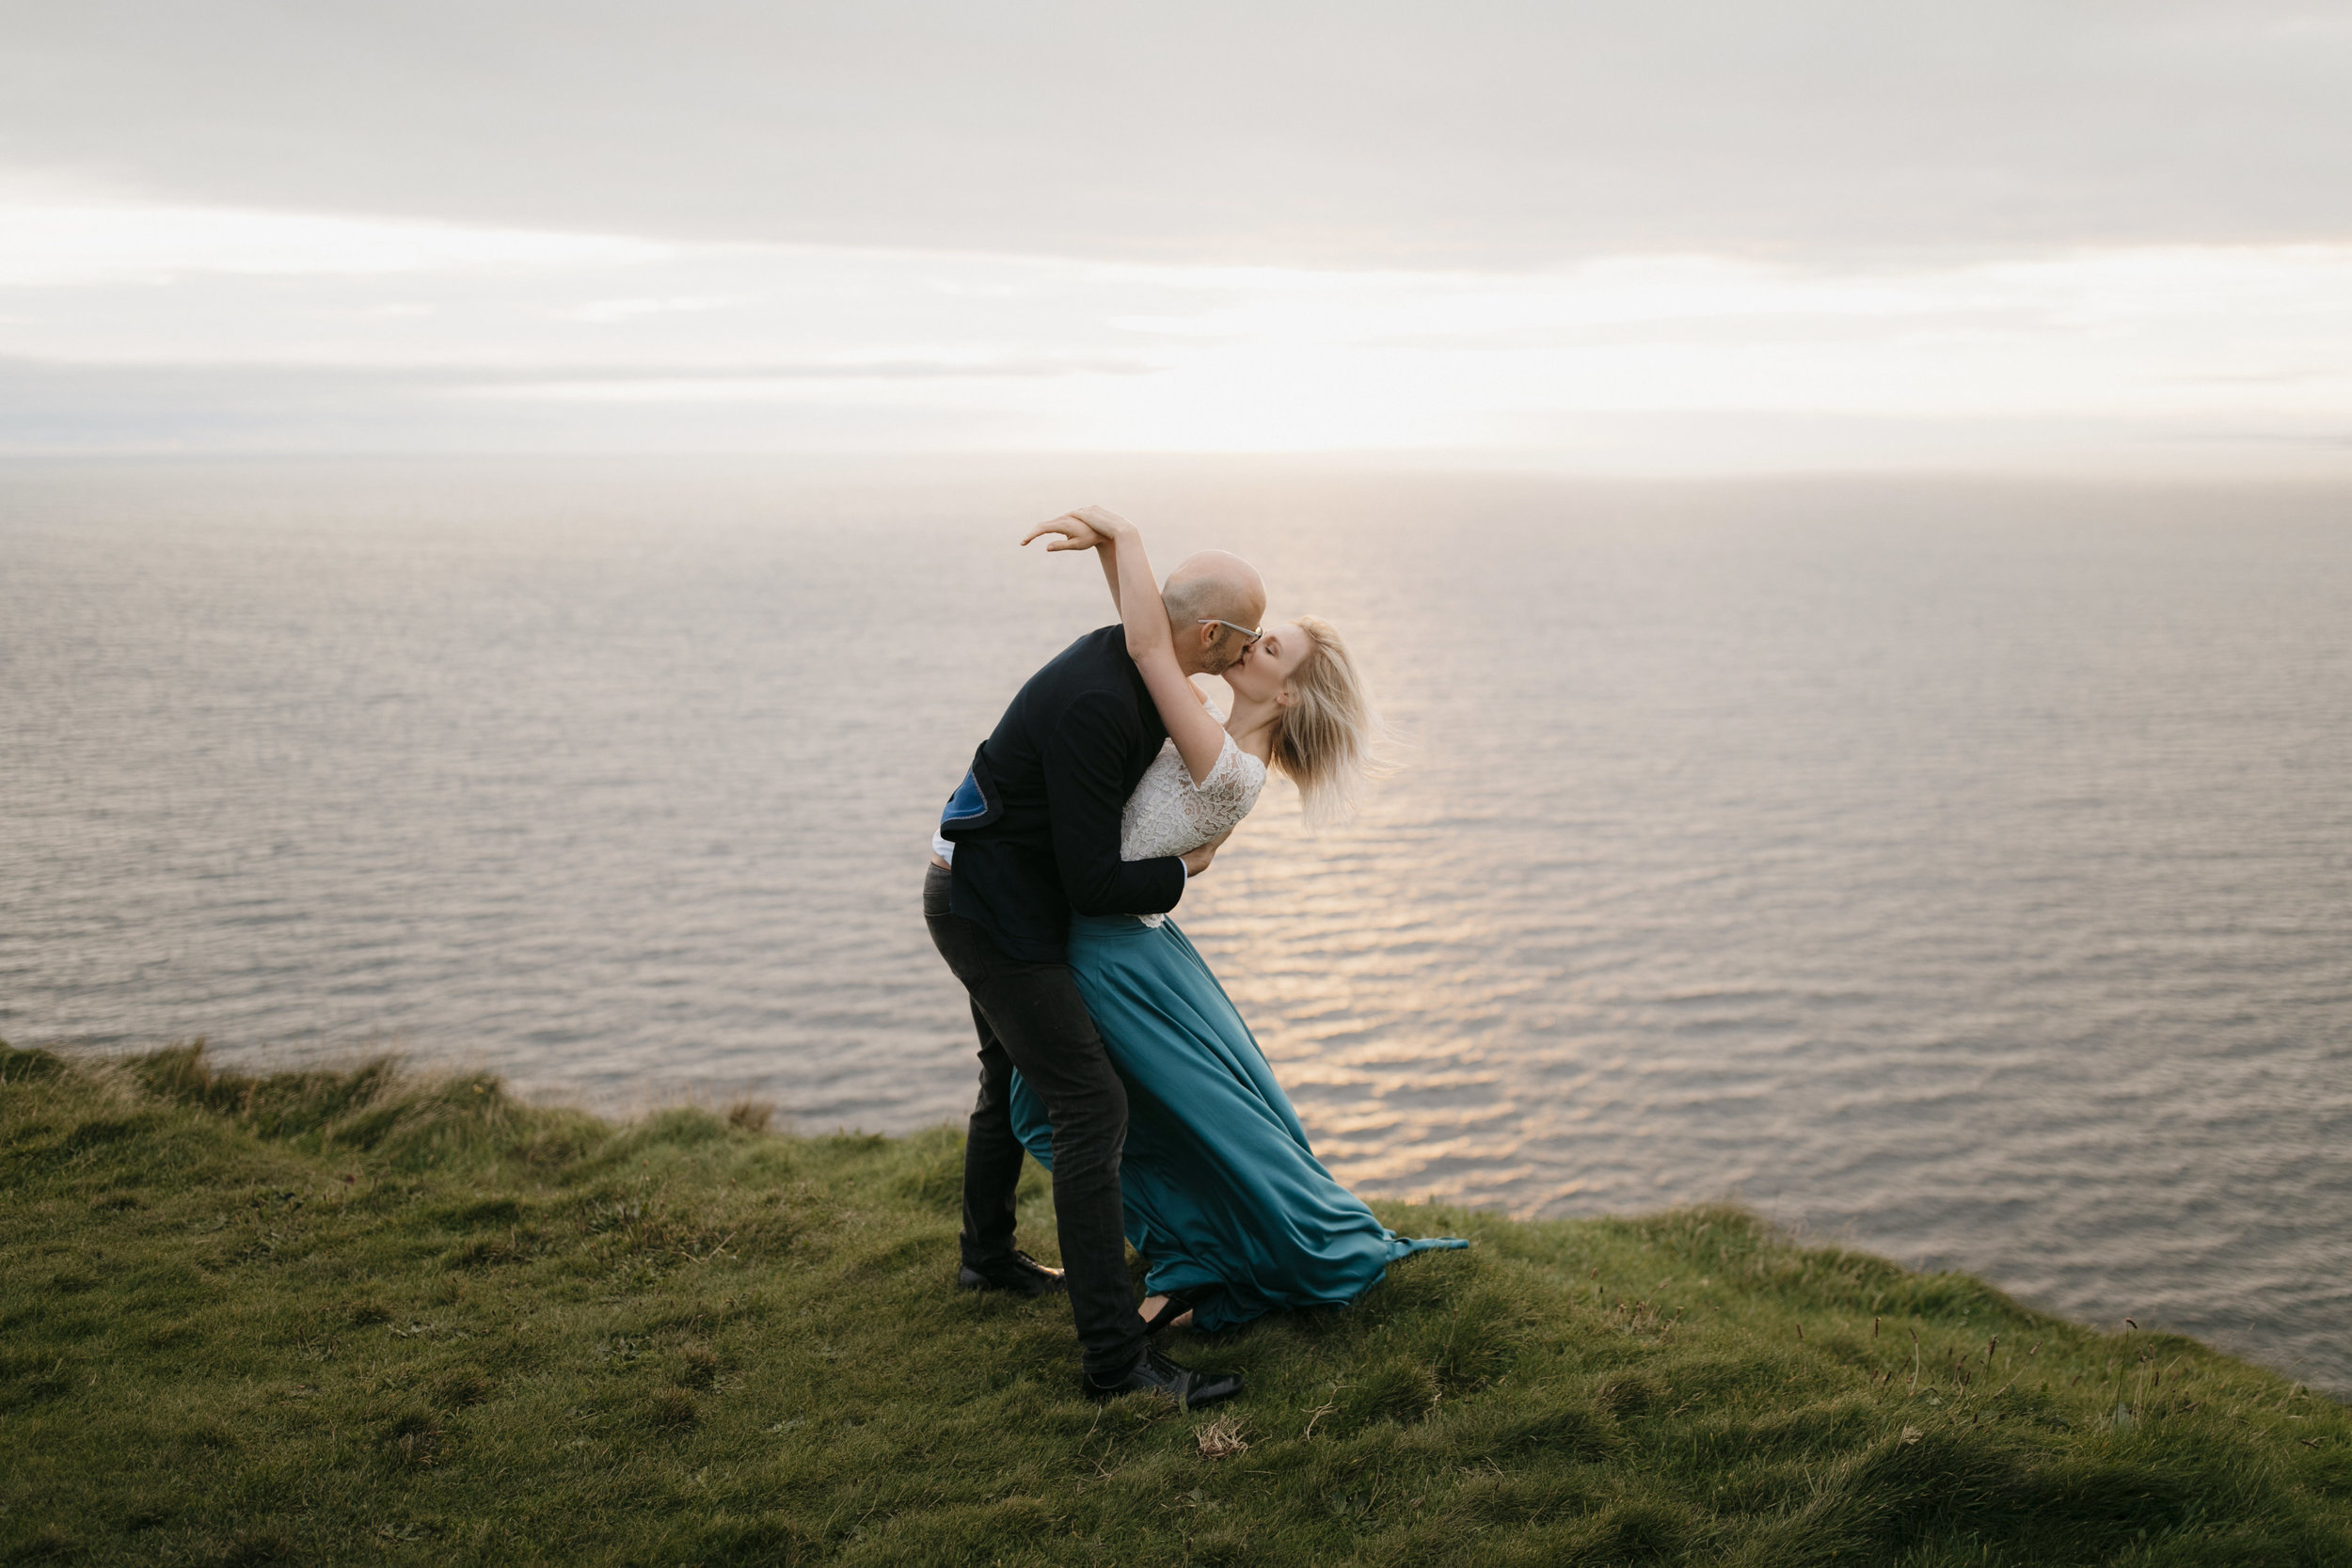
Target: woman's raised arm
{"type": "Point", "coordinates": [1200, 739]}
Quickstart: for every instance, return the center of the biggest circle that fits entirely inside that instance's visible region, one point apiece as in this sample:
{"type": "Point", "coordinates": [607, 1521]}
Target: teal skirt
{"type": "Point", "coordinates": [1219, 1183]}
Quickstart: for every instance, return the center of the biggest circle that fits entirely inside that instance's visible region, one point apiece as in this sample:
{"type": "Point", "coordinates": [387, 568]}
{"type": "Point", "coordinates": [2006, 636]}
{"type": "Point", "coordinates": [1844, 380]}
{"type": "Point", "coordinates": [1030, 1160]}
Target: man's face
{"type": "Point", "coordinates": [1226, 645]}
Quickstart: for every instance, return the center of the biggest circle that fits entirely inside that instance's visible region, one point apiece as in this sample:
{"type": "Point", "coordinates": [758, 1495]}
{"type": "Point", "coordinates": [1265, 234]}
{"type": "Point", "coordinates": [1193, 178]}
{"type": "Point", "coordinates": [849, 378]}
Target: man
{"type": "Point", "coordinates": [1030, 836]}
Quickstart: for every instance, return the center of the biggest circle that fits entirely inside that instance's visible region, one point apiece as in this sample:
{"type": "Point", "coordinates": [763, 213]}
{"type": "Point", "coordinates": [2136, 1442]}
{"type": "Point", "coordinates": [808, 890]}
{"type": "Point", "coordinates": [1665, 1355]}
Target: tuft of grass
{"type": "Point", "coordinates": [367, 1316]}
{"type": "Point", "coordinates": [671, 1409]}
{"type": "Point", "coordinates": [752, 1116]}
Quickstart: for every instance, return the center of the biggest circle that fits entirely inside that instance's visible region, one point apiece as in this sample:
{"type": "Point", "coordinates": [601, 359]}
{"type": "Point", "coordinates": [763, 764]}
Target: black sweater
{"type": "Point", "coordinates": [1055, 777]}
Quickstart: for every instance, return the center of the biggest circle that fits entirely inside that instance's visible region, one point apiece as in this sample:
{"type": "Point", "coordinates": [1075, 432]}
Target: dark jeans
{"type": "Point", "coordinates": [1030, 1016]}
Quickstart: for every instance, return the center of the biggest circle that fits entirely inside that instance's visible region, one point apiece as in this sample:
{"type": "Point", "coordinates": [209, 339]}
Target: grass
{"type": "Point", "coordinates": [364, 1317]}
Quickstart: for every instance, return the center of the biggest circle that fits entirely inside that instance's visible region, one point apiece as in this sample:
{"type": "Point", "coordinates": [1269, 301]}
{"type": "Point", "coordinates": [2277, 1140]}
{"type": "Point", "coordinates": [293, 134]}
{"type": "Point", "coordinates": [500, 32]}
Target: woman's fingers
{"type": "Point", "coordinates": [1077, 534]}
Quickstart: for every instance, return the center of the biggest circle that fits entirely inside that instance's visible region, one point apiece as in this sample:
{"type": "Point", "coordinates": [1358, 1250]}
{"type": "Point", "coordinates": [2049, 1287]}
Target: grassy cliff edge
{"type": "Point", "coordinates": [363, 1316]}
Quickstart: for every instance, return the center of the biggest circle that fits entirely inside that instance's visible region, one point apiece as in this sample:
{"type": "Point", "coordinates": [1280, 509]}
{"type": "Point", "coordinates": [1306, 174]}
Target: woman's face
{"type": "Point", "coordinates": [1261, 673]}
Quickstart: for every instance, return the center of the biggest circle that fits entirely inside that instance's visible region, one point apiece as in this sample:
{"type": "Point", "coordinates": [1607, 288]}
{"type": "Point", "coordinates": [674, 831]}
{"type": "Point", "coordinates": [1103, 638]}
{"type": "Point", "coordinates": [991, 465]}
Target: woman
{"type": "Point", "coordinates": [1224, 1197]}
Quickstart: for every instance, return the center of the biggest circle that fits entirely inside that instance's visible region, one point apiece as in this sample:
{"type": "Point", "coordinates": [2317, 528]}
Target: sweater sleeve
{"type": "Point", "coordinates": [1084, 798]}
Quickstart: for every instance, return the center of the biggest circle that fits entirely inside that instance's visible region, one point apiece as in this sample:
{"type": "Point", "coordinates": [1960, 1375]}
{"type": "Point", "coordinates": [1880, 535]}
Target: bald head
{"type": "Point", "coordinates": [1211, 586]}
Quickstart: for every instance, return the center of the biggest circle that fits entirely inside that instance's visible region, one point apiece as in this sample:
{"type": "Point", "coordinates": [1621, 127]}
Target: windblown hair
{"type": "Point", "coordinates": [1326, 743]}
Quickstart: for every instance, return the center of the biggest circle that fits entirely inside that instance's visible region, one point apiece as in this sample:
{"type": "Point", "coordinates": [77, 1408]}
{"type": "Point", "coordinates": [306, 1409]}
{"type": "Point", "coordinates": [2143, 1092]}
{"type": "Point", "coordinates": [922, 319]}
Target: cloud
{"type": "Point", "coordinates": [1556, 231]}
{"type": "Point", "coordinates": [1371, 134]}
{"type": "Point", "coordinates": [116, 411]}
{"type": "Point", "coordinates": [630, 310]}
{"type": "Point", "coordinates": [2189, 345]}
{"type": "Point", "coordinates": [79, 243]}
{"type": "Point", "coordinates": [120, 410]}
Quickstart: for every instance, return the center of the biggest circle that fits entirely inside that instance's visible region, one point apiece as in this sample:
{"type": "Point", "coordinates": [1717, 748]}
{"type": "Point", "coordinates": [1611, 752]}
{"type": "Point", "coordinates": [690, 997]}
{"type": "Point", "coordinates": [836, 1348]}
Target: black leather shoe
{"type": "Point", "coordinates": [1154, 1373]}
{"type": "Point", "coordinates": [1021, 1274]}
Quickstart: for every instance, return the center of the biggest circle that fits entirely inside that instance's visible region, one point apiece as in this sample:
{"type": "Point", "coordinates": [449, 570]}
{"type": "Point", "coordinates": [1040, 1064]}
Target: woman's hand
{"type": "Point", "coordinates": [1151, 642]}
{"type": "Point", "coordinates": [1103, 520]}
{"type": "Point", "coordinates": [1090, 527]}
{"type": "Point", "coordinates": [1075, 535]}
{"type": "Point", "coordinates": [1087, 528]}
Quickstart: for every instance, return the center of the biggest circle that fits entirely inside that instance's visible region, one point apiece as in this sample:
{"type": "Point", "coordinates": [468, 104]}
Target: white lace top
{"type": "Point", "coordinates": [1169, 814]}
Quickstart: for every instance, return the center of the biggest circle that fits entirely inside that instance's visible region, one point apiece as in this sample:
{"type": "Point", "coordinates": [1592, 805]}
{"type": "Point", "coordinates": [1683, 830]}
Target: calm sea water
{"type": "Point", "coordinates": [1961, 871]}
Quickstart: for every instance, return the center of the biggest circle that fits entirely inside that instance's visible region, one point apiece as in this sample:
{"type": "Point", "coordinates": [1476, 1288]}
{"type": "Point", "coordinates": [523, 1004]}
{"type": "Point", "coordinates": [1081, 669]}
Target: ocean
{"type": "Point", "coordinates": [1960, 870]}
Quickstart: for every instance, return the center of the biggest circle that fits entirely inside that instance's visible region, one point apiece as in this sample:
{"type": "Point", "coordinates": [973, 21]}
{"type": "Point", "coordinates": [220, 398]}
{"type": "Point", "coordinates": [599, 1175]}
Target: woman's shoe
{"type": "Point", "coordinates": [1177, 1304]}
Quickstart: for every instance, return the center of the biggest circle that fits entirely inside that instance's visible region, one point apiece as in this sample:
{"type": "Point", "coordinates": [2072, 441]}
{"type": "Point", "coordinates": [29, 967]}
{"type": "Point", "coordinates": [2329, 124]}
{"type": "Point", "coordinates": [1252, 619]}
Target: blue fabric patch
{"type": "Point", "coordinates": [967, 805]}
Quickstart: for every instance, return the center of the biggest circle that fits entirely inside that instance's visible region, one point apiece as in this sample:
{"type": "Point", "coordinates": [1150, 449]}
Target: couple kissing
{"type": "Point", "coordinates": [1108, 1051]}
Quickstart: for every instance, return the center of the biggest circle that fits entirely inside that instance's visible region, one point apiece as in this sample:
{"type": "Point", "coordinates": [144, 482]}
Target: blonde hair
{"type": "Point", "coordinates": [1326, 740]}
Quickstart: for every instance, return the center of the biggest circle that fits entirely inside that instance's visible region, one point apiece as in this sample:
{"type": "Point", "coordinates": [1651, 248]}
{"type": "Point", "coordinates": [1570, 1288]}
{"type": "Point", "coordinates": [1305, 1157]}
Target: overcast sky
{"type": "Point", "coordinates": [1666, 236]}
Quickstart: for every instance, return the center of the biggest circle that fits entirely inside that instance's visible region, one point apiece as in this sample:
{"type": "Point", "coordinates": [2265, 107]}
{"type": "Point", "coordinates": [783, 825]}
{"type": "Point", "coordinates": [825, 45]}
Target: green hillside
{"type": "Point", "coordinates": [370, 1317]}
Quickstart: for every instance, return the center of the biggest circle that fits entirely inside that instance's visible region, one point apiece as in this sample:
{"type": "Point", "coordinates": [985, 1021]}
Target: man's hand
{"type": "Point", "coordinates": [1199, 860]}
{"type": "Point", "coordinates": [1087, 528]}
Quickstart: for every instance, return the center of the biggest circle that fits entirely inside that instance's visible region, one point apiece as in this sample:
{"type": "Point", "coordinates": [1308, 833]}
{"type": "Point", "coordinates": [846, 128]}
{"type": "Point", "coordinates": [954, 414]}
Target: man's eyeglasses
{"type": "Point", "coordinates": [1248, 638]}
